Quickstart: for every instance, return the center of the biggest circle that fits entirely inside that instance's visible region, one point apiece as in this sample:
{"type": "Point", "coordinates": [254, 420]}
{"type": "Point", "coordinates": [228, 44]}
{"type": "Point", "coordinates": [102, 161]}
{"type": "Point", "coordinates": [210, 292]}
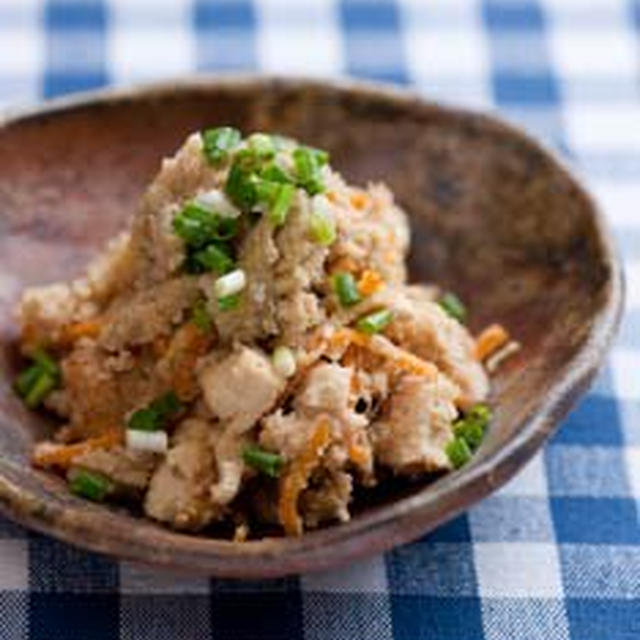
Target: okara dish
{"type": "Point", "coordinates": [249, 352]}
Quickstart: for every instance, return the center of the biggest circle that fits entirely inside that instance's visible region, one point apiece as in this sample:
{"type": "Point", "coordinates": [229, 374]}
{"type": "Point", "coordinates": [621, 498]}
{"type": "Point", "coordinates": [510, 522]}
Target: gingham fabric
{"type": "Point", "coordinates": [556, 554]}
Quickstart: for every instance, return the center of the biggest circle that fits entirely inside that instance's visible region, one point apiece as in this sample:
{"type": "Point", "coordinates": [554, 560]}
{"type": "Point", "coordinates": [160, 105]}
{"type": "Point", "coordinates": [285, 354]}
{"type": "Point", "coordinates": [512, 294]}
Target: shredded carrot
{"type": "Point", "coordinates": [296, 479]}
{"type": "Point", "coordinates": [359, 200]}
{"type": "Point", "coordinates": [332, 196]}
{"type": "Point", "coordinates": [490, 339]}
{"type": "Point", "coordinates": [370, 282]}
{"type": "Point", "coordinates": [358, 453]}
{"type": "Point", "coordinates": [77, 330]}
{"type": "Point", "coordinates": [187, 345]}
{"type": "Point", "coordinates": [390, 256]}
{"type": "Point", "coordinates": [349, 265]}
{"type": "Point", "coordinates": [62, 455]}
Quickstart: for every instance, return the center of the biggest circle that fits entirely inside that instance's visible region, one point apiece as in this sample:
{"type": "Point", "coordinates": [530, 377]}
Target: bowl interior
{"type": "Point", "coordinates": [493, 217]}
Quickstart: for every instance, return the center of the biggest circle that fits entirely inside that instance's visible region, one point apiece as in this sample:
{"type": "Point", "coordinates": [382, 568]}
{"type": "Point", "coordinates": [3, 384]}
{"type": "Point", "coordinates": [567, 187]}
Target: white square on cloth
{"type": "Point", "coordinates": [530, 481]}
{"type": "Point", "coordinates": [632, 455]}
{"type": "Point", "coordinates": [312, 47]}
{"type": "Point", "coordinates": [518, 570]}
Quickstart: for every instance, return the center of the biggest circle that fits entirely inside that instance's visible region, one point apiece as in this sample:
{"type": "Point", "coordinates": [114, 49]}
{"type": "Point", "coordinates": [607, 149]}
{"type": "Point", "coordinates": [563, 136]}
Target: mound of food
{"type": "Point", "coordinates": [249, 350]}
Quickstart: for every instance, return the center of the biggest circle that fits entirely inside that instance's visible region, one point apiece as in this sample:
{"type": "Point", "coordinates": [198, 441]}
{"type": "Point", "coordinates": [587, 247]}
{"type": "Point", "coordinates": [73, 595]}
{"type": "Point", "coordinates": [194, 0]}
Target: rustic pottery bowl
{"type": "Point", "coordinates": [494, 217]}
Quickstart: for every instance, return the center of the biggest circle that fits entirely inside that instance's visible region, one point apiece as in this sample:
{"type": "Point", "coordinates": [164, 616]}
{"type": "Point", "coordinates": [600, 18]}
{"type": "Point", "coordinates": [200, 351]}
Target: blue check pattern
{"type": "Point", "coordinates": [554, 555]}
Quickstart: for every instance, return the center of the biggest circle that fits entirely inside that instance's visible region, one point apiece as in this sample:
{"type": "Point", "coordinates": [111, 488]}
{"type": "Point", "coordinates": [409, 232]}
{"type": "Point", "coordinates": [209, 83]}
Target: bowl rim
{"type": "Point", "coordinates": [403, 520]}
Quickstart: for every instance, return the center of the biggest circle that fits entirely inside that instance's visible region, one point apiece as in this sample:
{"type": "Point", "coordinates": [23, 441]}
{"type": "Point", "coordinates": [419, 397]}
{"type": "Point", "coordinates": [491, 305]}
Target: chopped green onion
{"type": "Point", "coordinates": [166, 405]}
{"type": "Point", "coordinates": [273, 172]}
{"type": "Point", "coordinates": [229, 284]}
{"type": "Point", "coordinates": [200, 317]}
{"type": "Point", "coordinates": [153, 441]}
{"type": "Point", "coordinates": [374, 322]}
{"type": "Point", "coordinates": [345, 286]}
{"type": "Point", "coordinates": [90, 485]}
{"type": "Point", "coordinates": [215, 201]}
{"type": "Point", "coordinates": [284, 361]}
{"type": "Point", "coordinates": [321, 222]}
{"type": "Point", "coordinates": [453, 306]}
{"type": "Point", "coordinates": [266, 462]}
{"type": "Point", "coordinates": [262, 145]}
{"type": "Point", "coordinates": [227, 303]}
{"type": "Point", "coordinates": [144, 420]}
{"type": "Point", "coordinates": [157, 414]}
{"type": "Point", "coordinates": [241, 181]}
{"type": "Point", "coordinates": [27, 379]}
{"type": "Point", "coordinates": [214, 257]}
{"type": "Point", "coordinates": [46, 362]}
{"type": "Point", "coordinates": [458, 452]}
{"type": "Point", "coordinates": [266, 192]}
{"type": "Point", "coordinates": [308, 163]}
{"type": "Point", "coordinates": [471, 428]}
{"type": "Point", "coordinates": [197, 226]}
{"type": "Point", "coordinates": [37, 380]}
{"type": "Point", "coordinates": [217, 143]}
{"type": "Point", "coordinates": [281, 205]}
{"type": "Point", "coordinates": [36, 394]}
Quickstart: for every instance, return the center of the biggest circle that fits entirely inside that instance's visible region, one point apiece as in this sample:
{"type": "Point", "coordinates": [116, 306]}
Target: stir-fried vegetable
{"type": "Point", "coordinates": [201, 318]}
{"type": "Point", "coordinates": [228, 303]}
{"type": "Point", "coordinates": [266, 462]}
{"type": "Point", "coordinates": [309, 163]}
{"type": "Point", "coordinates": [471, 428]}
{"type": "Point", "coordinates": [346, 288]}
{"type": "Point", "coordinates": [458, 452]}
{"type": "Point", "coordinates": [90, 485]}
{"type": "Point", "coordinates": [281, 204]}
{"type": "Point", "coordinates": [217, 143]}
{"type": "Point", "coordinates": [198, 226]}
{"type": "Point", "coordinates": [453, 306]}
{"type": "Point", "coordinates": [157, 415]}
{"type": "Point", "coordinates": [284, 361]}
{"type": "Point", "coordinates": [374, 322]}
{"type": "Point", "coordinates": [36, 381]}
{"type": "Point", "coordinates": [151, 441]}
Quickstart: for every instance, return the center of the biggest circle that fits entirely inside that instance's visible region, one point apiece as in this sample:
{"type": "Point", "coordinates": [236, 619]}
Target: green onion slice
{"type": "Point", "coordinates": [453, 306]}
{"type": "Point", "coordinates": [217, 143]}
{"type": "Point", "coordinates": [214, 257]}
{"type": "Point", "coordinates": [228, 303]}
{"type": "Point", "coordinates": [281, 204]}
{"type": "Point", "coordinates": [262, 145]}
{"type": "Point", "coordinates": [90, 485]}
{"type": "Point", "coordinates": [266, 462]}
{"type": "Point", "coordinates": [197, 226]}
{"type": "Point", "coordinates": [321, 224]}
{"type": "Point", "coordinates": [346, 288]}
{"type": "Point", "coordinates": [38, 379]}
{"type": "Point", "coordinates": [200, 317]}
{"type": "Point", "coordinates": [374, 322]}
{"type": "Point", "coordinates": [458, 452]}
{"type": "Point", "coordinates": [308, 163]}
{"type": "Point", "coordinates": [472, 427]}
{"type": "Point", "coordinates": [157, 414]}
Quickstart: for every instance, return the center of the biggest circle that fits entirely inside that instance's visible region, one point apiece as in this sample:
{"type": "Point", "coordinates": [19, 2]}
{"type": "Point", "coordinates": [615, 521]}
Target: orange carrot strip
{"type": "Point", "coordinates": [296, 479]}
{"type": "Point", "coordinates": [370, 282]}
{"type": "Point", "coordinates": [48, 454]}
{"type": "Point", "coordinates": [359, 200]}
{"type": "Point", "coordinates": [489, 340]}
{"type": "Point", "coordinates": [84, 329]}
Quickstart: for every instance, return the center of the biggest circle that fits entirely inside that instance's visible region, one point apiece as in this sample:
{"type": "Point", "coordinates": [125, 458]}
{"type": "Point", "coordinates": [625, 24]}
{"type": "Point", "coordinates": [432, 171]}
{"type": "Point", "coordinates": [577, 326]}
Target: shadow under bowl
{"type": "Point", "coordinates": [494, 217]}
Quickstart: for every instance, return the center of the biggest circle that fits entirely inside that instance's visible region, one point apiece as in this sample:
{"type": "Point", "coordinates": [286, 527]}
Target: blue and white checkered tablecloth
{"type": "Point", "coordinates": [556, 554]}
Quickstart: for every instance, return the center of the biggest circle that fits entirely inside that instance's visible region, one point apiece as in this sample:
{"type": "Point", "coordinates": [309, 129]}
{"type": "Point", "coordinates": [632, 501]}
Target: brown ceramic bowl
{"type": "Point", "coordinates": [494, 217]}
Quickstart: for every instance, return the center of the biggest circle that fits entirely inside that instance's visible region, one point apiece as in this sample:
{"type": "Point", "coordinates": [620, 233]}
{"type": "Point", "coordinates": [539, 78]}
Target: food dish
{"type": "Point", "coordinates": [550, 273]}
{"type": "Point", "coordinates": [249, 352]}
